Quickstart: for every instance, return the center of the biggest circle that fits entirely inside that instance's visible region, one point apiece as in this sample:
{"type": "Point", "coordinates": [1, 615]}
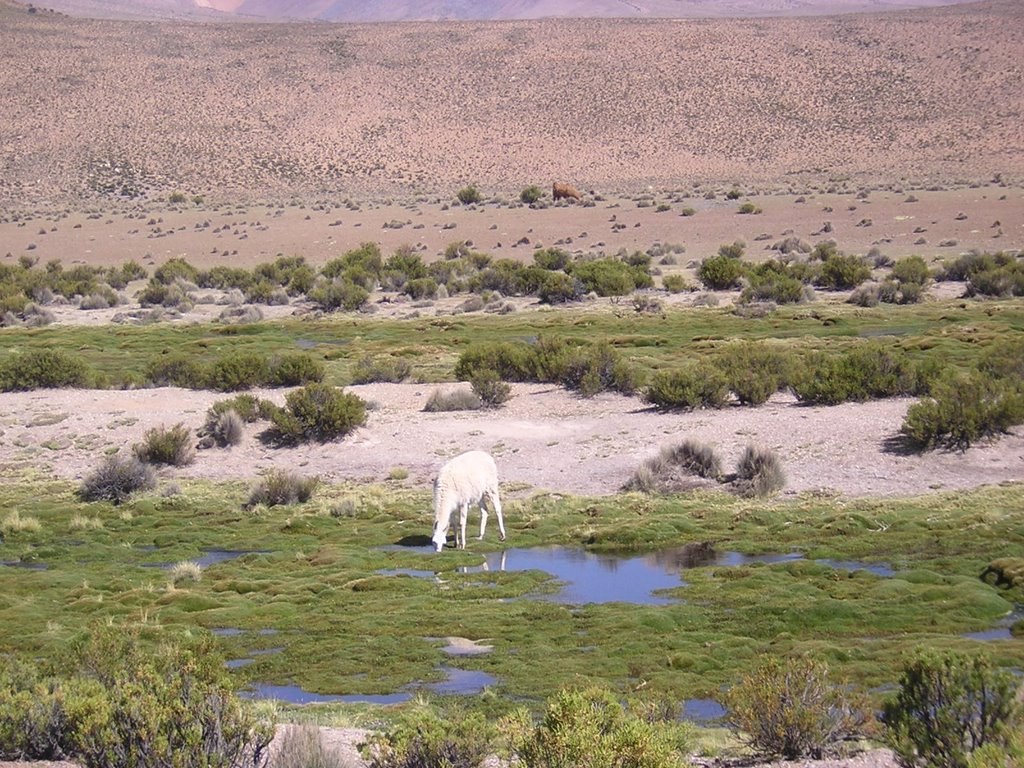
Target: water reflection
{"type": "Point", "coordinates": [1002, 630]}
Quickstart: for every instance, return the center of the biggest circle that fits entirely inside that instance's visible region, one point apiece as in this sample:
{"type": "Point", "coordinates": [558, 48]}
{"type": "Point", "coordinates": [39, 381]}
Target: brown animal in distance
{"type": "Point", "coordinates": [560, 191]}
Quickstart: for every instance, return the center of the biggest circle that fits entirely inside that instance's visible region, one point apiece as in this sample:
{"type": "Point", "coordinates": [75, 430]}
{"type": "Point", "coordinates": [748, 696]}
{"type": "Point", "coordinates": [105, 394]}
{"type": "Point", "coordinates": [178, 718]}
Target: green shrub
{"type": "Point", "coordinates": [531, 194]}
{"type": "Point", "coordinates": [177, 197]}
{"type": "Point", "coordinates": [999, 282]}
{"type": "Point", "coordinates": [339, 293]}
{"type": "Point", "coordinates": [773, 287]}
{"type": "Point", "coordinates": [44, 369]}
{"type": "Point", "coordinates": [511, 361]}
{"type": "Point", "coordinates": [238, 371]}
{"type": "Point", "coordinates": [458, 400]}
{"type": "Point", "coordinates": [676, 283]}
{"type": "Point", "coordinates": [294, 369]}
{"type": "Point", "coordinates": [369, 370]}
{"type": "Point", "coordinates": [611, 277]}
{"type": "Point", "coordinates": [421, 288]}
{"type": "Point", "coordinates": [490, 389]}
{"type": "Point", "coordinates": [720, 273]}
{"type": "Point", "coordinates": [792, 709]}
{"type": "Point", "coordinates": [282, 488]}
{"type": "Point", "coordinates": [842, 272]}
{"type": "Point", "coordinates": [867, 371]}
{"type": "Point", "coordinates": [697, 385]}
{"type": "Point", "coordinates": [469, 195]}
{"type": "Point", "coordinates": [759, 472]}
{"type": "Point", "coordinates": [595, 369]}
{"type": "Point", "coordinates": [166, 446]}
{"type": "Point", "coordinates": [559, 288]}
{"type": "Point", "coordinates": [948, 706]}
{"type": "Point", "coordinates": [366, 257]}
{"type": "Point", "coordinates": [317, 412]}
{"type": "Point", "coordinates": [963, 409]}
{"type": "Point", "coordinates": [749, 208]}
{"type": "Point", "coordinates": [732, 250]}
{"type": "Point", "coordinates": [1004, 359]}
{"type": "Point", "coordinates": [588, 728]}
{"type": "Point", "coordinates": [117, 479]}
{"type": "Point", "coordinates": [911, 269]}
{"type": "Point", "coordinates": [245, 405]}
{"type": "Point", "coordinates": [423, 739]}
{"type": "Point", "coordinates": [755, 371]}
{"type": "Point", "coordinates": [175, 269]}
{"type": "Point", "coordinates": [551, 258]}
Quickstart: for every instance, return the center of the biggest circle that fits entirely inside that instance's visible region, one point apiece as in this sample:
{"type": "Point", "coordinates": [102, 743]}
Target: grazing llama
{"type": "Point", "coordinates": [469, 478]}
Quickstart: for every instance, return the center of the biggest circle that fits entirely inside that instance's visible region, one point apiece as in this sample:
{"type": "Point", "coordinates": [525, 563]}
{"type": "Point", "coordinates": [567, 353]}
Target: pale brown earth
{"type": "Point", "coordinates": [240, 112]}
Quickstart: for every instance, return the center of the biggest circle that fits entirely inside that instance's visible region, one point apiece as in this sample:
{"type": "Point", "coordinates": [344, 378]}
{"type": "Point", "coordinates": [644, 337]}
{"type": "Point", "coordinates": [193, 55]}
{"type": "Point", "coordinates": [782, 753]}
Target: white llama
{"type": "Point", "coordinates": [469, 478]}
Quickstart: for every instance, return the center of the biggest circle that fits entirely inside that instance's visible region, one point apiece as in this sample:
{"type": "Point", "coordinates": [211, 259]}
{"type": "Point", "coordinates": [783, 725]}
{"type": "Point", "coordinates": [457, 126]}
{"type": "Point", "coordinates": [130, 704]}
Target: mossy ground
{"type": "Point", "coordinates": [344, 628]}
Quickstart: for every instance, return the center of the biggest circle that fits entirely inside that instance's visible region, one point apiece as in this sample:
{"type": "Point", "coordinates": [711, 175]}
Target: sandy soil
{"type": "Point", "coordinates": [543, 439]}
{"type": "Point", "coordinates": [97, 109]}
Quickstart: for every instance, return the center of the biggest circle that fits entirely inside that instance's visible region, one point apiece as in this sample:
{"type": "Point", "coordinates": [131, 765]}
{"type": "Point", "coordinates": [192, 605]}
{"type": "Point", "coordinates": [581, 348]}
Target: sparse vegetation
{"type": "Point", "coordinates": [759, 472]}
{"type": "Point", "coordinates": [117, 479]}
{"type": "Point", "coordinates": [166, 446]}
{"type": "Point", "coordinates": [281, 487]}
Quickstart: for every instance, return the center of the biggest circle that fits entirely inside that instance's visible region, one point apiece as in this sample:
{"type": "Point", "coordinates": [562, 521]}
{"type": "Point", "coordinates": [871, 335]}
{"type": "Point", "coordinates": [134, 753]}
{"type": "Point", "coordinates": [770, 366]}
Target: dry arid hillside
{"type": "Point", "coordinates": [94, 110]}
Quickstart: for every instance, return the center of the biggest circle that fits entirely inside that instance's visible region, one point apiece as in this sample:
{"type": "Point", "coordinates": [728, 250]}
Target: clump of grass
{"type": "Point", "coordinates": [83, 523]}
{"type": "Point", "coordinates": [117, 479]}
{"type": "Point", "coordinates": [674, 468]}
{"type": "Point", "coordinates": [759, 472]}
{"type": "Point", "coordinates": [282, 488]}
{"type": "Point", "coordinates": [228, 429]}
{"type": "Point", "coordinates": [15, 523]}
{"type": "Point", "coordinates": [398, 473]}
{"type": "Point", "coordinates": [457, 400]}
{"type": "Point", "coordinates": [167, 446]}
{"type": "Point", "coordinates": [186, 570]}
{"type": "Point", "coordinates": [301, 747]}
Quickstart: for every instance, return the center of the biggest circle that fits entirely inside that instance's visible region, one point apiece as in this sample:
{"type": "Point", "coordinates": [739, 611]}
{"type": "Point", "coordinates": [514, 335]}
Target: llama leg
{"type": "Point", "coordinates": [496, 501]}
{"type": "Point", "coordinates": [483, 518]}
{"type": "Point", "coordinates": [463, 514]}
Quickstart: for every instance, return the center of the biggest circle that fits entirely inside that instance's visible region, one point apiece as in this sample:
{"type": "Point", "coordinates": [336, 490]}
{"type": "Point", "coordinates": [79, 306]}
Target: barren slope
{"type": "Point", "coordinates": [96, 109]}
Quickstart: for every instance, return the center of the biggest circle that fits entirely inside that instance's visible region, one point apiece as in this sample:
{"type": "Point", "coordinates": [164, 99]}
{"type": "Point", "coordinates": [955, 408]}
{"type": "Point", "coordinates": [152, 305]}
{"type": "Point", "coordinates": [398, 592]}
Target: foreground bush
{"type": "Point", "coordinates": [674, 466]}
{"type": "Point", "coordinates": [369, 370]}
{"type": "Point", "coordinates": [117, 479]}
{"type": "Point", "coordinates": [792, 709]}
{"type": "Point", "coordinates": [962, 410]}
{"type": "Point", "coordinates": [166, 446]}
{"type": "Point", "coordinates": [868, 370]}
{"type": "Point", "coordinates": [424, 739]}
{"type": "Point", "coordinates": [755, 371]}
{"type": "Point", "coordinates": [491, 391]}
{"type": "Point", "coordinates": [948, 706]}
{"type": "Point", "coordinates": [124, 706]}
{"type": "Point", "coordinates": [282, 488]}
{"type": "Point", "coordinates": [759, 472]}
{"type": "Point", "coordinates": [43, 369]}
{"type": "Point", "coordinates": [316, 412]}
{"type": "Point", "coordinates": [588, 728]}
{"type": "Point", "coordinates": [459, 400]}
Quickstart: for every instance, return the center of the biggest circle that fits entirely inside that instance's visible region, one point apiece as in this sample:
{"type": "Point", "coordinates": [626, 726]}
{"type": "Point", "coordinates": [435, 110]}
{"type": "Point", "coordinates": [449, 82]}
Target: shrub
{"type": "Point", "coordinates": [593, 369]}
{"type": "Point", "coordinates": [588, 728]}
{"type": "Point", "coordinates": [755, 371]}
{"type": "Point", "coordinates": [117, 479]}
{"type": "Point", "coordinates": [291, 370]}
{"type": "Point", "coordinates": [698, 385]}
{"type": "Point", "coordinates": [175, 269]}
{"type": "Point", "coordinates": [671, 469]}
{"type": "Point", "coordinates": [245, 405]}
{"type": "Point", "coordinates": [317, 412]}
{"type": "Point", "coordinates": [611, 277]}
{"type": "Point", "coordinates": [749, 208]}
{"type": "Point", "coordinates": [948, 706]}
{"type": "Point", "coordinates": [43, 369]}
{"type": "Point", "coordinates": [866, 371]}
{"type": "Point", "coordinates": [759, 472]}
{"type": "Point", "coordinates": [511, 361]}
{"type": "Point", "coordinates": [962, 410]}
{"type": "Point", "coordinates": [282, 488]}
{"type": "Point", "coordinates": [490, 389]}
{"type": "Point", "coordinates": [720, 273]}
{"type": "Point", "coordinates": [421, 288]}
{"type": "Point", "coordinates": [423, 739]}
{"type": "Point", "coordinates": [458, 400]}
{"type": "Point", "coordinates": [239, 370]}
{"type": "Point", "coordinates": [387, 369]}
{"type": "Point", "coordinates": [227, 429]}
{"type": "Point", "coordinates": [792, 709]}
{"type": "Point", "coordinates": [531, 194]}
{"type": "Point", "coordinates": [780, 289]}
{"type": "Point", "coordinates": [551, 258]}
{"type": "Point", "coordinates": [676, 283]}
{"type": "Point", "coordinates": [559, 288]}
{"type": "Point", "coordinates": [911, 269]}
{"type": "Point", "coordinates": [842, 272]}
{"type": "Point", "coordinates": [176, 370]}
{"type": "Point", "coordinates": [339, 293]}
{"type": "Point", "coordinates": [469, 195]}
{"type": "Point", "coordinates": [166, 446]}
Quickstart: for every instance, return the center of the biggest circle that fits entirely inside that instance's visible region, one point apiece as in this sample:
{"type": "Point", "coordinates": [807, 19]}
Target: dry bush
{"type": "Point", "coordinates": [459, 400]}
{"type": "Point", "coordinates": [674, 468]}
{"type": "Point", "coordinates": [300, 746]}
{"type": "Point", "coordinates": [116, 479]}
{"type": "Point", "coordinates": [281, 487]}
{"type": "Point", "coordinates": [186, 570]}
{"type": "Point", "coordinates": [759, 472]}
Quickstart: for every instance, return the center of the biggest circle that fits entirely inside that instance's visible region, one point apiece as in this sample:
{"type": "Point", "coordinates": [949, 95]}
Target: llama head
{"type": "Point", "coordinates": [440, 536]}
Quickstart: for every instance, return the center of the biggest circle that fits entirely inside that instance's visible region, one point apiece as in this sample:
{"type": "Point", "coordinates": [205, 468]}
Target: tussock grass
{"type": "Point", "coordinates": [187, 570]}
{"type": "Point", "coordinates": [13, 522]}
